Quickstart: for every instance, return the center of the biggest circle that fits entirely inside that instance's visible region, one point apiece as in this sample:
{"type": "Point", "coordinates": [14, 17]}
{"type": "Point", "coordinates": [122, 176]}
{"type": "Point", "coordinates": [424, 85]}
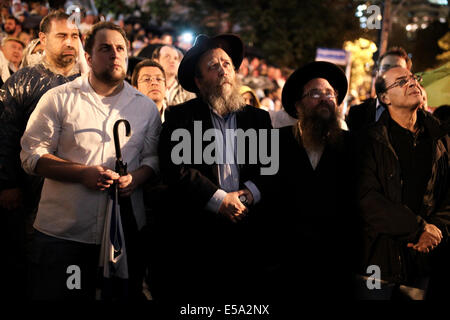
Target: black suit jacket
{"type": "Point", "coordinates": [361, 115]}
{"type": "Point", "coordinates": [198, 182]}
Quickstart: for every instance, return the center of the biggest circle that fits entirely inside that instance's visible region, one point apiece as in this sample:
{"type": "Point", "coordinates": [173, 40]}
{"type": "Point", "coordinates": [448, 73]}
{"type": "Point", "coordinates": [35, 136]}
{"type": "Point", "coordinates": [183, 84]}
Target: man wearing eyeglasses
{"type": "Point", "coordinates": [360, 116]}
{"type": "Point", "coordinates": [403, 191]}
{"type": "Point", "coordinates": [149, 78]}
{"type": "Point", "coordinates": [314, 183]}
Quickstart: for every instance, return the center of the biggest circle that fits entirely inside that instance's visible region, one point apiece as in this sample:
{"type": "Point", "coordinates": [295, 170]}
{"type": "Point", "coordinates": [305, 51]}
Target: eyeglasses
{"type": "Point", "coordinates": [148, 80]}
{"type": "Point", "coordinates": [402, 82]}
{"type": "Point", "coordinates": [317, 94]}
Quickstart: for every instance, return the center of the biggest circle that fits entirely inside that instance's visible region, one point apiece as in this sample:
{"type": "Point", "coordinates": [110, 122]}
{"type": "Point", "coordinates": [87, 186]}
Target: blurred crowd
{"type": "Point", "coordinates": [20, 25]}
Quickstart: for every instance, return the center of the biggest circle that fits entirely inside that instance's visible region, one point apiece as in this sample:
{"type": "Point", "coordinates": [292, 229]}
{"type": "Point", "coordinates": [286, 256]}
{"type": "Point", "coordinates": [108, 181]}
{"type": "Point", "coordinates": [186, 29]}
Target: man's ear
{"type": "Point", "coordinates": [197, 82]}
{"type": "Point", "coordinates": [88, 59]}
{"type": "Point", "coordinates": [298, 107]}
{"type": "Point", "coordinates": [384, 98]}
{"type": "Point", "coordinates": [43, 38]}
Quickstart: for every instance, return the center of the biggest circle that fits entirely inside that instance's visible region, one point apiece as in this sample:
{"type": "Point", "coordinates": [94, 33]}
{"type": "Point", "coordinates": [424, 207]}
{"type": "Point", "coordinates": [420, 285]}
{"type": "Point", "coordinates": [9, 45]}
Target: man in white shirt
{"type": "Point", "coordinates": [69, 140]}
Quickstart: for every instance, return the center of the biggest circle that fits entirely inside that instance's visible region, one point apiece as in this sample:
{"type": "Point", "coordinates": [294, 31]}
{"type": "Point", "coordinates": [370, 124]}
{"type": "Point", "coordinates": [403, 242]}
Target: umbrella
{"type": "Point", "coordinates": [437, 84]}
{"type": "Point", "coordinates": [147, 51]}
{"type": "Point", "coordinates": [113, 256]}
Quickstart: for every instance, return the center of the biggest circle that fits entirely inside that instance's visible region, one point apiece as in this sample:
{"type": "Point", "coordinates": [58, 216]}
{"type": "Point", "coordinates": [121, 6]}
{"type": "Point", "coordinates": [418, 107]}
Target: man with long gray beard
{"type": "Point", "coordinates": [215, 206]}
{"type": "Point", "coordinates": [315, 182]}
{"type": "Point", "coordinates": [69, 141]}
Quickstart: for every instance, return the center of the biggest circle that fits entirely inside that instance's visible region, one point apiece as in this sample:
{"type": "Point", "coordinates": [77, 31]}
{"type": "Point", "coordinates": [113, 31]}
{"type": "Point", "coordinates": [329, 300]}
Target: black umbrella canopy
{"type": "Point", "coordinates": [132, 62]}
{"type": "Point", "coordinates": [147, 51]}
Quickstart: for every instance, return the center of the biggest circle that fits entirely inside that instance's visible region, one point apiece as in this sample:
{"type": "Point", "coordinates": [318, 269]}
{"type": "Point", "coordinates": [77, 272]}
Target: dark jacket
{"type": "Point", "coordinates": [204, 245]}
{"type": "Point", "coordinates": [361, 115]}
{"type": "Point", "coordinates": [388, 224]}
{"type": "Point", "coordinates": [18, 98]}
{"type": "Point", "coordinates": [313, 215]}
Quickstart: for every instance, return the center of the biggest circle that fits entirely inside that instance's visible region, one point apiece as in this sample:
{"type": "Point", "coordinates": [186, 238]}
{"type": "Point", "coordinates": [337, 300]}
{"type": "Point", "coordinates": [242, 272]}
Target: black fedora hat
{"type": "Point", "coordinates": [230, 43]}
{"type": "Point", "coordinates": [317, 69]}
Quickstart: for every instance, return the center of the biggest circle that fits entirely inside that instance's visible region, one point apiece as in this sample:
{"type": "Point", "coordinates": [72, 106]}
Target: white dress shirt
{"type": "Point", "coordinates": [72, 123]}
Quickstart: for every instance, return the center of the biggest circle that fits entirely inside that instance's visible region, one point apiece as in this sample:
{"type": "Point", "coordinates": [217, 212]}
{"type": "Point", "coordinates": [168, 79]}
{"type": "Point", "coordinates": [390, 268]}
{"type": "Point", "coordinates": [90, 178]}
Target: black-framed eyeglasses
{"type": "Point", "coordinates": [403, 82]}
{"type": "Point", "coordinates": [317, 94]}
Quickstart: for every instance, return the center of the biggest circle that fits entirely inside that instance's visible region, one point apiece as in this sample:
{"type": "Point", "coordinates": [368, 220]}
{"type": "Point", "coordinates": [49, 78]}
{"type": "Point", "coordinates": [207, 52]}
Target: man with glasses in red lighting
{"type": "Point", "coordinates": [403, 185]}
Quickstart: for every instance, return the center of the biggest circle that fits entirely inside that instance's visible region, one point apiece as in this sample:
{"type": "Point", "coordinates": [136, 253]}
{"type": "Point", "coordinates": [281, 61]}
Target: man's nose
{"type": "Point", "coordinates": [69, 41]}
{"type": "Point", "coordinates": [222, 70]}
{"type": "Point", "coordinates": [413, 83]}
{"type": "Point", "coordinates": [114, 52]}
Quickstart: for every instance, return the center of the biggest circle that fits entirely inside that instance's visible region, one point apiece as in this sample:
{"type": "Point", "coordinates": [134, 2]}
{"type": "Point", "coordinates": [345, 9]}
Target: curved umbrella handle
{"type": "Point", "coordinates": [116, 136]}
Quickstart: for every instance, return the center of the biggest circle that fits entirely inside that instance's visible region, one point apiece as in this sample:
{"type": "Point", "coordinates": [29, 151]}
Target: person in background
{"type": "Point", "coordinates": [149, 78]}
{"type": "Point", "coordinates": [169, 58]}
{"type": "Point", "coordinates": [10, 57]}
{"type": "Point", "coordinates": [11, 27]}
{"type": "Point", "coordinates": [360, 116]}
{"type": "Point", "coordinates": [249, 96]}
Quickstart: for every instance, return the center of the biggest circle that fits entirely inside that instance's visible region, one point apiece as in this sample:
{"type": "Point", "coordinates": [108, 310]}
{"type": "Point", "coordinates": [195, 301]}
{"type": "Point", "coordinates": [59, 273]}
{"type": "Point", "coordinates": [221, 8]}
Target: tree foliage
{"type": "Point", "coordinates": [114, 6]}
{"type": "Point", "coordinates": [287, 32]}
{"type": "Point", "coordinates": [444, 44]}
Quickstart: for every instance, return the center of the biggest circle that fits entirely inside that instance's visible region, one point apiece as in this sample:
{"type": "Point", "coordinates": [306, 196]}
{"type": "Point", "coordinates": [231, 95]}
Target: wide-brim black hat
{"type": "Point", "coordinates": [317, 69]}
{"type": "Point", "coordinates": [230, 43]}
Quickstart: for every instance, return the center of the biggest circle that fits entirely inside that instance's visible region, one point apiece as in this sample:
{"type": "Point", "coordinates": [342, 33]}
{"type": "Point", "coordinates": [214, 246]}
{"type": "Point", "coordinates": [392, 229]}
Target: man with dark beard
{"type": "Point", "coordinates": [19, 192]}
{"type": "Point", "coordinates": [314, 181]}
{"type": "Point", "coordinates": [69, 141]}
{"type": "Point", "coordinates": [214, 206]}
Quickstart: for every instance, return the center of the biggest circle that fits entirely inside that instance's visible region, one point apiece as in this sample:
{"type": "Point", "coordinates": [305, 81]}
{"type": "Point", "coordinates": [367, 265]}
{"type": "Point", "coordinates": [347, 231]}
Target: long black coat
{"type": "Point", "coordinates": [388, 224]}
{"type": "Point", "coordinates": [315, 220]}
{"type": "Point", "coordinates": [208, 254]}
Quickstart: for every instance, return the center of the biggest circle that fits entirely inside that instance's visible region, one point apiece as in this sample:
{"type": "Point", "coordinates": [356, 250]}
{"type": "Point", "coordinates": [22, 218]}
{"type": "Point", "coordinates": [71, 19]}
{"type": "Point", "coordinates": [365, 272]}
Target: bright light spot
{"type": "Point", "coordinates": [363, 25]}
{"type": "Point", "coordinates": [358, 13]}
{"type": "Point", "coordinates": [408, 27]}
{"type": "Point", "coordinates": [361, 7]}
{"type": "Point", "coordinates": [439, 2]}
{"type": "Point", "coordinates": [442, 20]}
{"type": "Point", "coordinates": [379, 17]}
{"type": "Point", "coordinates": [363, 19]}
{"type": "Point", "coordinates": [187, 37]}
{"type": "Point", "coordinates": [424, 25]}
